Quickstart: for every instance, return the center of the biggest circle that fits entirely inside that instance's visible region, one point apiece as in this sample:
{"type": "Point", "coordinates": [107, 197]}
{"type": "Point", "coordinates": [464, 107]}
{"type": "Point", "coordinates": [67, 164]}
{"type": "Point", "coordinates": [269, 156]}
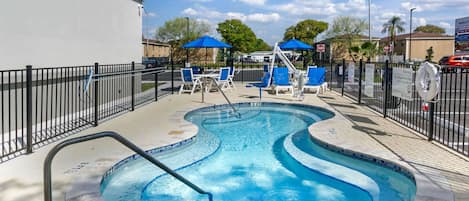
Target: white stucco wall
{"type": "Point", "coordinates": [69, 32]}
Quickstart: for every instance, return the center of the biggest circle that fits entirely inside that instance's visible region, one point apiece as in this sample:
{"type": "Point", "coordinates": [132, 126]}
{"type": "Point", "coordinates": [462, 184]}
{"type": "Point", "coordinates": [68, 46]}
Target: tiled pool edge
{"type": "Point", "coordinates": [425, 189]}
{"type": "Point", "coordinates": [150, 151]}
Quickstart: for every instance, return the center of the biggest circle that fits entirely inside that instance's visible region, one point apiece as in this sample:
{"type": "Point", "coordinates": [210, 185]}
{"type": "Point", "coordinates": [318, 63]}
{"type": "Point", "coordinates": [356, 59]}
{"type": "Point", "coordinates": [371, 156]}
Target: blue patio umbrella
{"type": "Point", "coordinates": [206, 42]}
{"type": "Point", "coordinates": [294, 44]}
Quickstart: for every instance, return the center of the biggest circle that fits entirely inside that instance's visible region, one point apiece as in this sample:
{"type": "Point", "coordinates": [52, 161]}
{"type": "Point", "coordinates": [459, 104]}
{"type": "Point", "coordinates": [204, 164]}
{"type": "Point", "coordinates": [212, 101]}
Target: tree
{"type": "Point", "coordinates": [237, 34]}
{"type": "Point", "coordinates": [367, 50]}
{"type": "Point", "coordinates": [429, 28]}
{"type": "Point", "coordinates": [392, 27]}
{"type": "Point", "coordinates": [306, 30]}
{"type": "Point", "coordinates": [346, 31]}
{"type": "Point", "coordinates": [175, 33]}
{"type": "Point", "coordinates": [176, 29]}
{"type": "Point", "coordinates": [261, 45]}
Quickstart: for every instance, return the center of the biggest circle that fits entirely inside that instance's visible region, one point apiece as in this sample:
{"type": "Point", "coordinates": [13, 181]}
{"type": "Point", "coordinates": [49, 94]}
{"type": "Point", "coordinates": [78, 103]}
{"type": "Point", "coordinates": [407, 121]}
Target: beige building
{"type": "Point", "coordinates": [442, 45]}
{"type": "Point", "coordinates": [153, 48]}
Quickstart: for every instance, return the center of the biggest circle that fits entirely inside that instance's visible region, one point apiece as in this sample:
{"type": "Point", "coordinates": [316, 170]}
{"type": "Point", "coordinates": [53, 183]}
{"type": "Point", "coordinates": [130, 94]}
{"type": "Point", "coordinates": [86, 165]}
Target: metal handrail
{"type": "Point", "coordinates": [224, 95]}
{"type": "Point", "coordinates": [123, 141]}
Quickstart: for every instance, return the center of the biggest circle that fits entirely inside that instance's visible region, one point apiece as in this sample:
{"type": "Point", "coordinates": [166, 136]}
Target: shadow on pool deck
{"type": "Point", "coordinates": [438, 165]}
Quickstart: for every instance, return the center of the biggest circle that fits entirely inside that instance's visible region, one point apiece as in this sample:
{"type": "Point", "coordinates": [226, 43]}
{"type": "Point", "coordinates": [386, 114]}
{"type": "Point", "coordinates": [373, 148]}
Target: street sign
{"type": "Point", "coordinates": [320, 47]}
{"type": "Point", "coordinates": [386, 49]}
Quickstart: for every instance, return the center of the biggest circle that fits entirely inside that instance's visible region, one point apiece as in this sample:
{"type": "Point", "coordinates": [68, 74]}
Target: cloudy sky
{"type": "Point", "coordinates": [270, 18]}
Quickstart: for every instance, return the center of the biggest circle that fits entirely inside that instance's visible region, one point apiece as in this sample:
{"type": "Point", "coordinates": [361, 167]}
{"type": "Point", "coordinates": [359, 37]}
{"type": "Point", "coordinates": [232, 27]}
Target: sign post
{"type": "Point", "coordinates": [320, 48]}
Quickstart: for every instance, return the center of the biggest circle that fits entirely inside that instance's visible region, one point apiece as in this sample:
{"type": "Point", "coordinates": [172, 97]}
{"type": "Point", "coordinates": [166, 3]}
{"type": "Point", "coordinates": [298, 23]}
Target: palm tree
{"type": "Point", "coordinates": [392, 27]}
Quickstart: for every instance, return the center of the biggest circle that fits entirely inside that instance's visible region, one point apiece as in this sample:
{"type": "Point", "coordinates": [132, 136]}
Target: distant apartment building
{"type": "Point", "coordinates": [442, 45]}
{"type": "Point", "coordinates": [69, 32]}
{"type": "Point", "coordinates": [154, 48]}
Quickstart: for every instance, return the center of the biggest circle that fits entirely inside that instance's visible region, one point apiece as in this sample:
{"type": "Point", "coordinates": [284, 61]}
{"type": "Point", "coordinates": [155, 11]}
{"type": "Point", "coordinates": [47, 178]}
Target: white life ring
{"type": "Point", "coordinates": [427, 81]}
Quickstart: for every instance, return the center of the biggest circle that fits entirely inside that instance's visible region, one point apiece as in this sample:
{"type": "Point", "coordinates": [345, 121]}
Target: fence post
{"type": "Point", "coordinates": [431, 114]}
{"type": "Point", "coordinates": [172, 74]}
{"type": "Point", "coordinates": [343, 76]}
{"type": "Point", "coordinates": [242, 70]}
{"type": "Point", "coordinates": [360, 82]}
{"type": "Point", "coordinates": [96, 94]}
{"type": "Point", "coordinates": [132, 88]}
{"type": "Point", "coordinates": [29, 109]}
{"type": "Point", "coordinates": [332, 74]}
{"type": "Point", "coordinates": [385, 104]}
{"type": "Point", "coordinates": [156, 86]}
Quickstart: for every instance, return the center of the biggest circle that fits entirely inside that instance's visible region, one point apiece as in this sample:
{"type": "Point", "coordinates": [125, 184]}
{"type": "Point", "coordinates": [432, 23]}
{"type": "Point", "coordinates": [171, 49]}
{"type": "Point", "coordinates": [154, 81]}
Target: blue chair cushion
{"type": "Point", "coordinates": [281, 76]}
{"type": "Point", "coordinates": [187, 77]}
{"type": "Point", "coordinates": [316, 76]}
{"type": "Point", "coordinates": [225, 72]}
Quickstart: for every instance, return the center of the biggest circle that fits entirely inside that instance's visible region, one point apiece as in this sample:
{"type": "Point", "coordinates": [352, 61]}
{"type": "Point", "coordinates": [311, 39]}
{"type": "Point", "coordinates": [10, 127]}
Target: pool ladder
{"type": "Point", "coordinates": [123, 141]}
{"type": "Point", "coordinates": [235, 111]}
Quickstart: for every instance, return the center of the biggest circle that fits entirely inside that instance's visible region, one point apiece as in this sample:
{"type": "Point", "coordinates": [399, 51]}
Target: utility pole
{"type": "Point", "coordinates": [410, 35]}
{"type": "Point", "coordinates": [187, 36]}
{"type": "Point", "coordinates": [369, 20]}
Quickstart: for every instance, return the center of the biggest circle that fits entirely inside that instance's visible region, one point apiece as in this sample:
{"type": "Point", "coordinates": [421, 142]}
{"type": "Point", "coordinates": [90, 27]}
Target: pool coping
{"type": "Point", "coordinates": [321, 133]}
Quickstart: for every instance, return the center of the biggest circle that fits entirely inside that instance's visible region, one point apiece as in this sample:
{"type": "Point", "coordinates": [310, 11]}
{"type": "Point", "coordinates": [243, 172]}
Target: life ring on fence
{"type": "Point", "coordinates": [427, 81]}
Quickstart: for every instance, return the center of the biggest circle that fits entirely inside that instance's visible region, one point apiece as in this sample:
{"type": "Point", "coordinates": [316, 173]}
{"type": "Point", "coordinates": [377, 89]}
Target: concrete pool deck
{"type": "Point", "coordinates": [78, 169]}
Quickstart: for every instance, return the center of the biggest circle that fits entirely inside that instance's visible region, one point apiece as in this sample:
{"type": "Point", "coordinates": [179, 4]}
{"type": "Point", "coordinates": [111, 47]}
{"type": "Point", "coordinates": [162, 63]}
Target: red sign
{"type": "Point", "coordinates": [320, 47]}
{"type": "Point", "coordinates": [386, 49]}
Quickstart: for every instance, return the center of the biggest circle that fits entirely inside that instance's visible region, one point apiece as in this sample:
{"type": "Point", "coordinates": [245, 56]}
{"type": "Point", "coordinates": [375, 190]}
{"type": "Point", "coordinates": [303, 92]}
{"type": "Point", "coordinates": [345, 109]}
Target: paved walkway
{"type": "Point", "coordinates": [410, 148]}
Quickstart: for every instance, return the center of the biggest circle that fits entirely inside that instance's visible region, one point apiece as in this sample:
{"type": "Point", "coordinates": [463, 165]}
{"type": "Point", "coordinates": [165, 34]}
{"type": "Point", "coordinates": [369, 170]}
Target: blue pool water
{"type": "Point", "coordinates": [244, 159]}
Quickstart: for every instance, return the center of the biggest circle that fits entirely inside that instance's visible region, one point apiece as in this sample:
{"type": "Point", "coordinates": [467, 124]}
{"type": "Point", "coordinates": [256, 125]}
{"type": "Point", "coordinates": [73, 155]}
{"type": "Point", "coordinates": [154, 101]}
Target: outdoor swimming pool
{"type": "Point", "coordinates": [246, 159]}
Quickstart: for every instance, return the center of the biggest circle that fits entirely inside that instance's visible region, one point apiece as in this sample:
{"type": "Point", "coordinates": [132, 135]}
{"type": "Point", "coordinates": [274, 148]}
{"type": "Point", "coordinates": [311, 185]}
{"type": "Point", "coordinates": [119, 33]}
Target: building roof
{"type": "Point", "coordinates": [420, 35]}
{"type": "Point", "coordinates": [154, 42]}
{"type": "Point", "coordinates": [360, 37]}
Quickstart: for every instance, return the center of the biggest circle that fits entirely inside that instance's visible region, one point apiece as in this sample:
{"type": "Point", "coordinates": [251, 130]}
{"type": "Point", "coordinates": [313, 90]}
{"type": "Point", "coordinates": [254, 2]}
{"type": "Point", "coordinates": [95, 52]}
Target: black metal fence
{"type": "Point", "coordinates": [40, 105]}
{"type": "Point", "coordinates": [444, 122]}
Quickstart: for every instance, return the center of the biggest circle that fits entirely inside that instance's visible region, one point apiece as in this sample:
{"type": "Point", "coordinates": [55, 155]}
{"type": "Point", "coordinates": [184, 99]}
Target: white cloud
{"type": "Point", "coordinates": [259, 17]}
{"type": "Point", "coordinates": [432, 5]}
{"type": "Point", "coordinates": [445, 25]}
{"type": "Point", "coordinates": [216, 15]}
{"type": "Point", "coordinates": [149, 14]}
{"type": "Point", "coordinates": [189, 11]}
{"type": "Point", "coordinates": [421, 21]}
{"type": "Point", "coordinates": [296, 8]}
{"type": "Point", "coordinates": [254, 2]}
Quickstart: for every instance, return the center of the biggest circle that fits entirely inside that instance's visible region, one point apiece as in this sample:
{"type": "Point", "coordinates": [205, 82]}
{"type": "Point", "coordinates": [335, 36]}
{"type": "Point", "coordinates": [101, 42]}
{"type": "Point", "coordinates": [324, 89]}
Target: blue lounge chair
{"type": "Point", "coordinates": [188, 81]}
{"type": "Point", "coordinates": [281, 79]}
{"type": "Point", "coordinates": [223, 80]}
{"type": "Point", "coordinates": [315, 79]}
{"type": "Point", "coordinates": [264, 84]}
{"type": "Point", "coordinates": [196, 70]}
{"type": "Point", "coordinates": [231, 77]}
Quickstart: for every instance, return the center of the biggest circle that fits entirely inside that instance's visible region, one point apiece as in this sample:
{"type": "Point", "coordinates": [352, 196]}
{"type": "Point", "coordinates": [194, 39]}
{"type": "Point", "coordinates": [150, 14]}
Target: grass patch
{"type": "Point", "coordinates": [147, 86]}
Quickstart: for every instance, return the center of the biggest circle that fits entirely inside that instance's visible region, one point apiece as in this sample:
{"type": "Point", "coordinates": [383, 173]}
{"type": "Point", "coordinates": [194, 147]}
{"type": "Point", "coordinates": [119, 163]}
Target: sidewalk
{"type": "Point", "coordinates": [413, 149]}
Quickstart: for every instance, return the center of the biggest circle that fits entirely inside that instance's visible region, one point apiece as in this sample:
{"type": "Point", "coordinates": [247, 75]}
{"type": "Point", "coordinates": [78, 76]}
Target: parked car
{"type": "Point", "coordinates": [459, 60]}
{"type": "Point", "coordinates": [152, 62]}
{"type": "Point", "coordinates": [451, 63]}
{"type": "Point", "coordinates": [444, 60]}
